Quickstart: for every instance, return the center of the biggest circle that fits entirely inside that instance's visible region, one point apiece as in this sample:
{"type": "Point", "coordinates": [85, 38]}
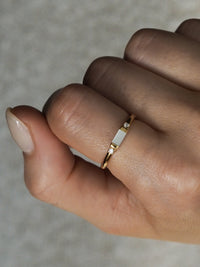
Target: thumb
{"type": "Point", "coordinates": [45, 157]}
{"type": "Point", "coordinates": [54, 175]}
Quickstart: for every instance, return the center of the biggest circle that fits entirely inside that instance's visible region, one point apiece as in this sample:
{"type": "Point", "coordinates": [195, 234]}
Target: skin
{"type": "Point", "coordinates": [151, 188]}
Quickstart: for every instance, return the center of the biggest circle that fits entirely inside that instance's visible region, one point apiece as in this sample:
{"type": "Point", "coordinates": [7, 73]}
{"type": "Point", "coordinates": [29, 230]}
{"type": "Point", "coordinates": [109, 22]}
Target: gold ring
{"type": "Point", "coordinates": [117, 140]}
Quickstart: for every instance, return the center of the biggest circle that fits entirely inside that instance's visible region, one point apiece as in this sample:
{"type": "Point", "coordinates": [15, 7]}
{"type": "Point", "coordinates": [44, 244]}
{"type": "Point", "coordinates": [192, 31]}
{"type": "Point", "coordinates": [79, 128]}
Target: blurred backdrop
{"type": "Point", "coordinates": [44, 45]}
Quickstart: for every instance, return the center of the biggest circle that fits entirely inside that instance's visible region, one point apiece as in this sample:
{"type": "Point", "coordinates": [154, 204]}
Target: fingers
{"type": "Point", "coordinates": [87, 121]}
{"type": "Point", "coordinates": [190, 28]}
{"type": "Point", "coordinates": [153, 99]}
{"type": "Point", "coordinates": [54, 175]}
{"type": "Point", "coordinates": [170, 55]}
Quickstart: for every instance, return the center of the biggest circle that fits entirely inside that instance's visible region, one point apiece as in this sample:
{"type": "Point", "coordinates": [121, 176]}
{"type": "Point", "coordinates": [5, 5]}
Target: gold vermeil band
{"type": "Point", "coordinates": [117, 140]}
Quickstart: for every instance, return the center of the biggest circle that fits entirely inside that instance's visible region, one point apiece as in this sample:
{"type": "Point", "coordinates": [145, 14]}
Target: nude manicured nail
{"type": "Point", "coordinates": [20, 132]}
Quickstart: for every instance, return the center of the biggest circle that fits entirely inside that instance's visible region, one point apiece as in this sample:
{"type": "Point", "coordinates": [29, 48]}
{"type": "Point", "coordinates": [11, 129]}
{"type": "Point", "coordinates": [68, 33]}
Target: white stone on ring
{"type": "Point", "coordinates": [111, 150]}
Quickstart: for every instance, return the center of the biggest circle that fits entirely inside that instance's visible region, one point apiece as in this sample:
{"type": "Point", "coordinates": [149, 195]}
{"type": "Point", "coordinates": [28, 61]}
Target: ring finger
{"type": "Point", "coordinates": [168, 54]}
{"type": "Point", "coordinates": [190, 28]}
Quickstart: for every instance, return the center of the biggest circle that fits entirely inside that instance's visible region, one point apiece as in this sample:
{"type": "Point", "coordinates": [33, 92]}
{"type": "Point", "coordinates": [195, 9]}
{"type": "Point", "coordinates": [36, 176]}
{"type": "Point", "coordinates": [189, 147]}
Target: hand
{"type": "Point", "coordinates": [151, 188]}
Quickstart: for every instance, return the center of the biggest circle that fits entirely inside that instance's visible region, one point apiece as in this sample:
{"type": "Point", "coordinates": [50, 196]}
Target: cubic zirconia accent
{"type": "Point", "coordinates": [111, 150]}
{"type": "Point", "coordinates": [126, 125]}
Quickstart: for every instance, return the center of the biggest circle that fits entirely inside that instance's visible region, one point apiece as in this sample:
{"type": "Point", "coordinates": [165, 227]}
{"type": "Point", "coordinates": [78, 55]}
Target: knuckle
{"type": "Point", "coordinates": [59, 99]}
{"type": "Point", "coordinates": [139, 42]}
{"type": "Point", "coordinates": [64, 107]}
{"type": "Point", "coordinates": [185, 25]}
{"type": "Point", "coordinates": [99, 61]}
{"type": "Point", "coordinates": [97, 69]}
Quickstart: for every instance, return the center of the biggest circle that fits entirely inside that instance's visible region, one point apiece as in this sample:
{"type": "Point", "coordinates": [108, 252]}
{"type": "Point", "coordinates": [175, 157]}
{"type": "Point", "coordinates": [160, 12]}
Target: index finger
{"type": "Point", "coordinates": [87, 121]}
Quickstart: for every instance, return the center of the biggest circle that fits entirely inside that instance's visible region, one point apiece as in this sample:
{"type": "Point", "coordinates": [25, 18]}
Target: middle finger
{"type": "Point", "coordinates": [153, 99]}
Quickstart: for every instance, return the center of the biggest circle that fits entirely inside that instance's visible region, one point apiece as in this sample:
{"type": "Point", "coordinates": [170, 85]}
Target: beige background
{"type": "Point", "coordinates": [44, 45]}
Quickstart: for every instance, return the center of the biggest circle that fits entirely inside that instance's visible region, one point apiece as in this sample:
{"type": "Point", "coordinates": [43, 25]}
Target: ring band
{"type": "Point", "coordinates": [117, 140]}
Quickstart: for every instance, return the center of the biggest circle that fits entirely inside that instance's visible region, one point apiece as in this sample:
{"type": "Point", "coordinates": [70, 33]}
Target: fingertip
{"type": "Point", "coordinates": [50, 100]}
{"type": "Point", "coordinates": [19, 131]}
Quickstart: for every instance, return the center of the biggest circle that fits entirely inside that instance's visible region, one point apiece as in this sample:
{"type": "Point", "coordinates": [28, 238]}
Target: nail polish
{"type": "Point", "coordinates": [20, 132]}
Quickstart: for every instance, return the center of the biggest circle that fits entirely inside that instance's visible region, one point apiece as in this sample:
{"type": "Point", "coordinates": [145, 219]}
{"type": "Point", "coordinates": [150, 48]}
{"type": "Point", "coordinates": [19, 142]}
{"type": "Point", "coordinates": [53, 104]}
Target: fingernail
{"type": "Point", "coordinates": [20, 132]}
